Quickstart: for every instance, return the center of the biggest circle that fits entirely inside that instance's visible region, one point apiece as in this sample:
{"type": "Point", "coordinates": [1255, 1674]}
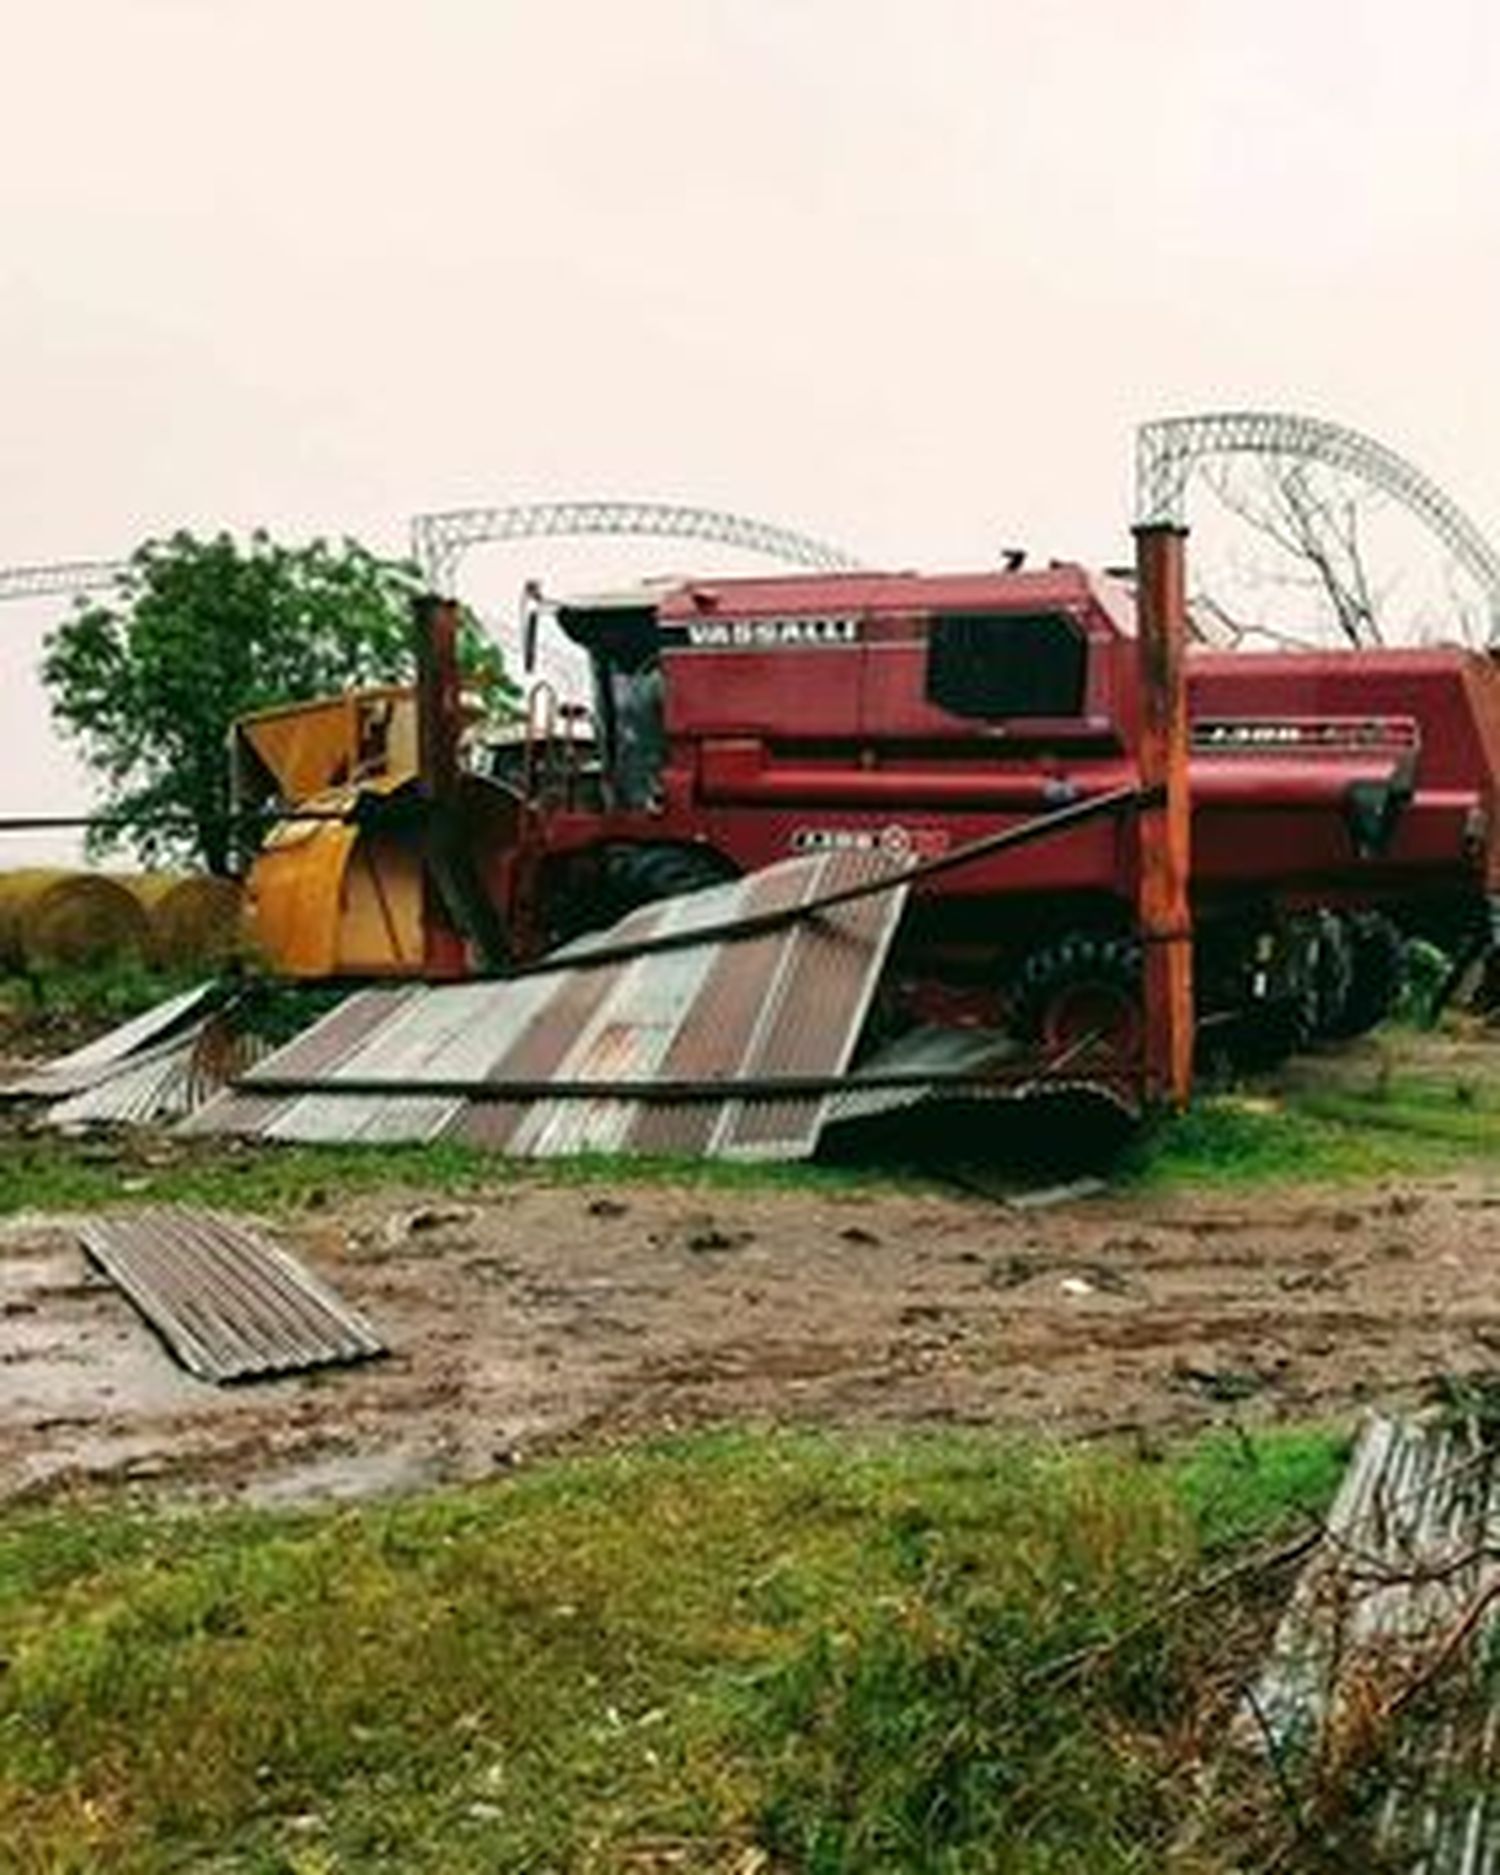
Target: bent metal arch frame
{"type": "Point", "coordinates": [65, 577]}
{"type": "Point", "coordinates": [439, 541]}
{"type": "Point", "coordinates": [1167, 449]}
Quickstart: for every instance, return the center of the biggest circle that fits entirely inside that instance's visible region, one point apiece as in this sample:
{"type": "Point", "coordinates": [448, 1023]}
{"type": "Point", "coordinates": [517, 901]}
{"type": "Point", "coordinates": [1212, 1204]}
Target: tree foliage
{"type": "Point", "coordinates": [200, 632]}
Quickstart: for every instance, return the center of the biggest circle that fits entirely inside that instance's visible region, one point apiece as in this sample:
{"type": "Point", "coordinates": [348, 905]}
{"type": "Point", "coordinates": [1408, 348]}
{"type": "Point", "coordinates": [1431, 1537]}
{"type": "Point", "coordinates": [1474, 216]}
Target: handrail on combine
{"type": "Point", "coordinates": [558, 735]}
{"type": "Point", "coordinates": [576, 716]}
{"type": "Point", "coordinates": [542, 704]}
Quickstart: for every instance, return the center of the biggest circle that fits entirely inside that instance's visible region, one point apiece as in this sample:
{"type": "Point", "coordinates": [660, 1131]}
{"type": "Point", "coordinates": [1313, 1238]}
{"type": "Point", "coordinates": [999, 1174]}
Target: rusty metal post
{"type": "Point", "coordinates": [1164, 907]}
{"type": "Point", "coordinates": [439, 697]}
{"type": "Point", "coordinates": [459, 915]}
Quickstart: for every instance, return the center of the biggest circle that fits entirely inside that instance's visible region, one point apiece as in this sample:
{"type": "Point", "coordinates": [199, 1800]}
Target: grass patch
{"type": "Point", "coordinates": [1412, 1122]}
{"type": "Point", "coordinates": [45, 1012]}
{"type": "Point", "coordinates": [42, 1171]}
{"type": "Point", "coordinates": [731, 1652]}
{"type": "Point", "coordinates": [1413, 1107]}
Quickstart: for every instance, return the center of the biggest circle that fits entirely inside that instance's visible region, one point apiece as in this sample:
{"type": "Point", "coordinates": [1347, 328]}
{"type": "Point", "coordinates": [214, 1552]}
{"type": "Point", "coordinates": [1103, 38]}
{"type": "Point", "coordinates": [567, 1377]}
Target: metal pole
{"type": "Point", "coordinates": [458, 910]}
{"type": "Point", "coordinates": [439, 700]}
{"type": "Point", "coordinates": [1164, 907]}
{"type": "Point", "coordinates": [439, 723]}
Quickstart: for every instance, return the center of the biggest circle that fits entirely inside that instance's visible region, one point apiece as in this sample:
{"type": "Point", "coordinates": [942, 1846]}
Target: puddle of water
{"type": "Point", "coordinates": [341, 1476]}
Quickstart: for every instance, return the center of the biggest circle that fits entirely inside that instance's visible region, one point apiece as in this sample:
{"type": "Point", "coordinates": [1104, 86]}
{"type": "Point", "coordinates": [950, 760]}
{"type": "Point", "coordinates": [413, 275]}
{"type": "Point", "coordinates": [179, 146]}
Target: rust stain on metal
{"type": "Point", "coordinates": [778, 1005]}
{"type": "Point", "coordinates": [315, 1051]}
{"type": "Point", "coordinates": [228, 1303]}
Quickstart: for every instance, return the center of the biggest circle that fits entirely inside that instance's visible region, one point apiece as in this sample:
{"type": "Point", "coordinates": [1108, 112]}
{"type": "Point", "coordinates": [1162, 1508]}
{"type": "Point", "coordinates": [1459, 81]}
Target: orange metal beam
{"type": "Point", "coordinates": [1164, 908]}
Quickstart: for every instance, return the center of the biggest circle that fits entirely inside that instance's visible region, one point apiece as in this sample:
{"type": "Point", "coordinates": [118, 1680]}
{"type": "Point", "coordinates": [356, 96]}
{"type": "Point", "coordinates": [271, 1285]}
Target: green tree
{"type": "Point", "coordinates": [199, 632]}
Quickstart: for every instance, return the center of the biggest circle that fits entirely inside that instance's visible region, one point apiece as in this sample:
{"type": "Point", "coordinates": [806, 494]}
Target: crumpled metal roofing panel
{"type": "Point", "coordinates": [1406, 1581]}
{"type": "Point", "coordinates": [787, 1002]}
{"type": "Point", "coordinates": [164, 1084]}
{"type": "Point", "coordinates": [151, 1033]}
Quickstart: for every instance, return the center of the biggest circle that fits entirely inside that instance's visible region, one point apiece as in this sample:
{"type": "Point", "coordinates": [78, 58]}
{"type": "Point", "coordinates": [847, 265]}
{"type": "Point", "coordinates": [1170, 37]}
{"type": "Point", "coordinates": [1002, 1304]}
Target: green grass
{"type": "Point", "coordinates": [94, 996]}
{"type": "Point", "coordinates": [1411, 1123]}
{"type": "Point", "coordinates": [732, 1652]}
{"type": "Point", "coordinates": [1404, 1108]}
{"type": "Point", "coordinates": [42, 1171]}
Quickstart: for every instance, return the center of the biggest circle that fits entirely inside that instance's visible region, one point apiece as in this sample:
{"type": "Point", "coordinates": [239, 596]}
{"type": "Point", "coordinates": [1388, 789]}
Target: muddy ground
{"type": "Point", "coordinates": [547, 1316]}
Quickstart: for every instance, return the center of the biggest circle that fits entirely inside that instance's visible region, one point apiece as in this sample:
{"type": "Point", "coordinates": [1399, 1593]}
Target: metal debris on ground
{"type": "Point", "coordinates": [1403, 1592]}
{"type": "Point", "coordinates": [732, 1047]}
{"type": "Point", "coordinates": [159, 1066]}
{"type": "Point", "coordinates": [110, 1054]}
{"type": "Point", "coordinates": [1044, 1197]}
{"type": "Point", "coordinates": [229, 1304]}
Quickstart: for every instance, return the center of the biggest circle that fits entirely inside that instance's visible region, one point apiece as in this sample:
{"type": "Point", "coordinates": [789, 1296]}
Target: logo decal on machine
{"type": "Point", "coordinates": [749, 634]}
{"type": "Point", "coordinates": [894, 841]}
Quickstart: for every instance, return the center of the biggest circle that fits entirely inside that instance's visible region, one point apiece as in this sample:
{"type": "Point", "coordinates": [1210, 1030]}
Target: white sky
{"type": "Point", "coordinates": [905, 275]}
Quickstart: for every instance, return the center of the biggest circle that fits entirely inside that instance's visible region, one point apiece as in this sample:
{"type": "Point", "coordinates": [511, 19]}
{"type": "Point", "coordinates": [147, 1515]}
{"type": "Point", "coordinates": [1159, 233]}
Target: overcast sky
{"type": "Point", "coordinates": [905, 275]}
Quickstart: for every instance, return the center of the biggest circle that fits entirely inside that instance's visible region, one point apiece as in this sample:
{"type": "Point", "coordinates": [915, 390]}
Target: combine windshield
{"type": "Point", "coordinates": [629, 696]}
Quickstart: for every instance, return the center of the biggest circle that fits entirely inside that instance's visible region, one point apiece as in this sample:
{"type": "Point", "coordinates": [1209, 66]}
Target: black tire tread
{"type": "Point", "coordinates": [1109, 957]}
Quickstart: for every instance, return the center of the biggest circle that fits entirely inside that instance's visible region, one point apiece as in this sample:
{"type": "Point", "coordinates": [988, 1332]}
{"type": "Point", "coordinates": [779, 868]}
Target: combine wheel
{"type": "Point", "coordinates": [620, 879]}
{"type": "Point", "coordinates": [1082, 998]}
{"type": "Point", "coordinates": [1333, 974]}
{"type": "Point", "coordinates": [639, 875]}
{"type": "Point", "coordinates": [1309, 981]}
{"type": "Point", "coordinates": [1378, 968]}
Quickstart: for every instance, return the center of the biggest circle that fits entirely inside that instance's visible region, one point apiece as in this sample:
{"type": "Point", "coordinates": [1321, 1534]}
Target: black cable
{"type": "Point", "coordinates": [668, 1092]}
{"type": "Point", "coordinates": [179, 823]}
{"type": "Point", "coordinates": [1113, 805]}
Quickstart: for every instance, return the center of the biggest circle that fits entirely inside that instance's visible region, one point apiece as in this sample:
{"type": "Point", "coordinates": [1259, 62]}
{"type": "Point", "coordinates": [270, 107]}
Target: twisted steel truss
{"type": "Point", "coordinates": [439, 541]}
{"type": "Point", "coordinates": [61, 576]}
{"type": "Point", "coordinates": [1166, 451]}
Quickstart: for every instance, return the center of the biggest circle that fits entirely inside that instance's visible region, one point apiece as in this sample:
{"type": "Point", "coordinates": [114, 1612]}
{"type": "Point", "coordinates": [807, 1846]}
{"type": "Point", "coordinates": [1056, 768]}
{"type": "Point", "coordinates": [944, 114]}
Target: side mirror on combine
{"type": "Point", "coordinates": [531, 618]}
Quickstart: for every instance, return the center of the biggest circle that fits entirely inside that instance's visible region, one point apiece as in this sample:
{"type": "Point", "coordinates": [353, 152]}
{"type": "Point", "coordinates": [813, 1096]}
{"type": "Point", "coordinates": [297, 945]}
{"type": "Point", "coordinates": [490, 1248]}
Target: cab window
{"type": "Point", "coordinates": [997, 666]}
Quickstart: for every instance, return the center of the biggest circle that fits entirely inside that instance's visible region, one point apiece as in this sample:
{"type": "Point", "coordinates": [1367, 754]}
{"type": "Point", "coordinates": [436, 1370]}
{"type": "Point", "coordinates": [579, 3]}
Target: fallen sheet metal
{"type": "Point", "coordinates": [684, 1026]}
{"type": "Point", "coordinates": [157, 1067]}
{"type": "Point", "coordinates": [1407, 1583]}
{"type": "Point", "coordinates": [228, 1303]}
{"type": "Point", "coordinates": [156, 1031]}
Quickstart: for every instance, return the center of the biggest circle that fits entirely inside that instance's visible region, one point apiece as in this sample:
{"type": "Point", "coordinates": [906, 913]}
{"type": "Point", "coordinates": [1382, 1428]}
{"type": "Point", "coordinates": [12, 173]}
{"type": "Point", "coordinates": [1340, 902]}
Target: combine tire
{"type": "Point", "coordinates": [1082, 998]}
{"type": "Point", "coordinates": [1378, 968]}
{"type": "Point", "coordinates": [640, 875]}
{"type": "Point", "coordinates": [1265, 1033]}
{"type": "Point", "coordinates": [1333, 975]}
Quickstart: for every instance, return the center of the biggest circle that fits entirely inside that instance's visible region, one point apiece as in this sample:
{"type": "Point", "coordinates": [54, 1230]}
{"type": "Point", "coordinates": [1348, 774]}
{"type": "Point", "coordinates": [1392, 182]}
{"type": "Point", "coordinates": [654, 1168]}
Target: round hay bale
{"type": "Point", "coordinates": [194, 917]}
{"type": "Point", "coordinates": [50, 919]}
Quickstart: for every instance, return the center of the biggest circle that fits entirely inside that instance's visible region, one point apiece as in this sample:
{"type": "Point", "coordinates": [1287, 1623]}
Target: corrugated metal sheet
{"type": "Point", "coordinates": [1410, 1567]}
{"type": "Point", "coordinates": [155, 1033]}
{"type": "Point", "coordinates": [158, 1081]}
{"type": "Point", "coordinates": [228, 1303]}
{"type": "Point", "coordinates": [783, 1004]}
{"type": "Point", "coordinates": [164, 1084]}
{"type": "Point", "coordinates": [944, 1054]}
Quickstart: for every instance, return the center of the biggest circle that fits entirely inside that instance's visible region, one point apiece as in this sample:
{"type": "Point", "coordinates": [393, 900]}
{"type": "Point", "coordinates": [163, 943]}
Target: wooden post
{"type": "Point", "coordinates": [1164, 907]}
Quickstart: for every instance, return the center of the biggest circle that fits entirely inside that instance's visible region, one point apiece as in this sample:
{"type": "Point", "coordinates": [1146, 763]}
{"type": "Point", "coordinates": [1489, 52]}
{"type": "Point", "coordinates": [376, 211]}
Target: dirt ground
{"type": "Point", "coordinates": [549, 1316]}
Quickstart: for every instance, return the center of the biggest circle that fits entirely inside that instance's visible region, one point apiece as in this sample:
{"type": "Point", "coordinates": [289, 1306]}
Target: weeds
{"type": "Point", "coordinates": [48, 1011]}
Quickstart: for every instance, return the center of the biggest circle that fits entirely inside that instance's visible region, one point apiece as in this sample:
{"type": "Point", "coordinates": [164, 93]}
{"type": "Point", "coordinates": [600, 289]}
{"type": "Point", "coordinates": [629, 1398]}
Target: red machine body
{"type": "Point", "coordinates": [735, 722]}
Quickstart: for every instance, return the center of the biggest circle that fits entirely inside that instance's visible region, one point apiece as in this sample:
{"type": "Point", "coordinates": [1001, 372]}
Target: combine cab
{"type": "Point", "coordinates": [1338, 802]}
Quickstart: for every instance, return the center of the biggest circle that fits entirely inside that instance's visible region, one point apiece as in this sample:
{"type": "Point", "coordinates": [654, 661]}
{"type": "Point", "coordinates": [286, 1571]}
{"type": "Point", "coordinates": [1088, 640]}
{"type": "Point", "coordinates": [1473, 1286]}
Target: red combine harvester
{"type": "Point", "coordinates": [1339, 802]}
